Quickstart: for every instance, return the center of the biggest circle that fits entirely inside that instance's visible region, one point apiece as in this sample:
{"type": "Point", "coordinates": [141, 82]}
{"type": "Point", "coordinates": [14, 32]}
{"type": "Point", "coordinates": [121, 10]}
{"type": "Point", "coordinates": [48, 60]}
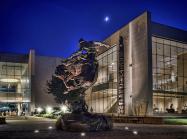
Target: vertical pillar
{"type": "Point", "coordinates": [31, 77]}
{"type": "Point", "coordinates": [19, 109]}
{"type": "Point", "coordinates": [138, 67]}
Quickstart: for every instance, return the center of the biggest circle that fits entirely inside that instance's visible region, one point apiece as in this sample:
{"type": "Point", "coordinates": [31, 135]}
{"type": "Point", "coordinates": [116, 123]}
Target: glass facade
{"type": "Point", "coordinates": [102, 97]}
{"type": "Point", "coordinates": [14, 87]}
{"type": "Point", "coordinates": [169, 67]}
{"type": "Point", "coordinates": [169, 64]}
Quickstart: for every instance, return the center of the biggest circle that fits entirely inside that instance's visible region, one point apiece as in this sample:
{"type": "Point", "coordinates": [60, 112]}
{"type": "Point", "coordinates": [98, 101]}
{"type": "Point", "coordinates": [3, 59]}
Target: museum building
{"type": "Point", "coordinates": [144, 72]}
{"type": "Point", "coordinates": [23, 79]}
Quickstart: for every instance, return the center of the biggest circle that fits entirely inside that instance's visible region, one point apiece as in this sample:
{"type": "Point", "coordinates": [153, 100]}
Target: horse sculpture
{"type": "Point", "coordinates": [76, 74]}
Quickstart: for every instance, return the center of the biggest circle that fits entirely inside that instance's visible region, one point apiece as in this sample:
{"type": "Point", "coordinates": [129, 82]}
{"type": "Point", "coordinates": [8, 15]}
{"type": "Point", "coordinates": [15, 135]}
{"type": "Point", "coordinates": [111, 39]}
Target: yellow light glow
{"type": "Point", "coordinates": [8, 80]}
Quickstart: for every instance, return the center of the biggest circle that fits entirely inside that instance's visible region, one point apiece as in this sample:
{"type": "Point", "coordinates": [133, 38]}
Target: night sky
{"type": "Point", "coordinates": [53, 27]}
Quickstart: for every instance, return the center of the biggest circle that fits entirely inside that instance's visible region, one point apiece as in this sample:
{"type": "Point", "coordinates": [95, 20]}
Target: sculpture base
{"type": "Point", "coordinates": [84, 122]}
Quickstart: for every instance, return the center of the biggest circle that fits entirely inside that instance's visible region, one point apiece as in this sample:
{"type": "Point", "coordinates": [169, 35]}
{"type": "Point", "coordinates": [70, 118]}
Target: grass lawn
{"type": "Point", "coordinates": [176, 121]}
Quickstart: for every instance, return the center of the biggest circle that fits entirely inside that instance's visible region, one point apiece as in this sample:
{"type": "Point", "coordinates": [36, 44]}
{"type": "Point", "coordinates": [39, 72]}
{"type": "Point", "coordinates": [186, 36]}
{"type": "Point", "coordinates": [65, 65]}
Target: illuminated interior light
{"type": "Point", "coordinates": [25, 80]}
{"type": "Point", "coordinates": [8, 80]}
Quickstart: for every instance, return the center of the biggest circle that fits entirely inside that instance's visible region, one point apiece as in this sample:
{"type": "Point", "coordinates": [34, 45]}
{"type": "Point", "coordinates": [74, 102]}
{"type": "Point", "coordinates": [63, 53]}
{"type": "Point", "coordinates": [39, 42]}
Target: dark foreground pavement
{"type": "Point", "coordinates": [44, 129]}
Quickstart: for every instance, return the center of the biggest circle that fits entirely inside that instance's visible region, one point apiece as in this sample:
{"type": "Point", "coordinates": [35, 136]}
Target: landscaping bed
{"type": "Point", "coordinates": [2, 120]}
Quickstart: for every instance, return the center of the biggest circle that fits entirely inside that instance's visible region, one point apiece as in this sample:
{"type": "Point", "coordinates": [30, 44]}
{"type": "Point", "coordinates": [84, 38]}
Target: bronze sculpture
{"type": "Point", "coordinates": [75, 75]}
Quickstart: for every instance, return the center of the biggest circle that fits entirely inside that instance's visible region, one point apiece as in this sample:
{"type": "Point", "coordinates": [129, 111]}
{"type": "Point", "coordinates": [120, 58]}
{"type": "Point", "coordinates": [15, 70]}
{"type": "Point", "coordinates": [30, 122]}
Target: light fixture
{"type": "Point", "coordinates": [49, 109]}
{"type": "Point", "coordinates": [9, 80]}
{"type": "Point", "coordinates": [126, 128]}
{"type": "Point", "coordinates": [39, 109]}
{"type": "Point", "coordinates": [36, 131]}
{"type": "Point", "coordinates": [64, 108]}
{"type": "Point", "coordinates": [83, 134]}
{"type": "Point", "coordinates": [50, 127]}
{"type": "Point", "coordinates": [135, 132]}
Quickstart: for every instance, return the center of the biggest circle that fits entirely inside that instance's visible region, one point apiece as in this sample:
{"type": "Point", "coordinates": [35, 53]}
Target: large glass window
{"type": "Point", "coordinates": [14, 87]}
{"type": "Point", "coordinates": [169, 63]}
{"type": "Point", "coordinates": [102, 98]}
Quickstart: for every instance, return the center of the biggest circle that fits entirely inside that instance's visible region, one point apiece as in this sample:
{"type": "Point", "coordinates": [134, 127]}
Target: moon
{"type": "Point", "coordinates": [106, 19]}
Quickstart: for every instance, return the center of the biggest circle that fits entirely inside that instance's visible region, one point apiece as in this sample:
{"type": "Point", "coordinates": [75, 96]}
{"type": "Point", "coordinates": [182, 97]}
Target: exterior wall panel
{"type": "Point", "coordinates": [44, 69]}
{"type": "Point", "coordinates": [139, 42]}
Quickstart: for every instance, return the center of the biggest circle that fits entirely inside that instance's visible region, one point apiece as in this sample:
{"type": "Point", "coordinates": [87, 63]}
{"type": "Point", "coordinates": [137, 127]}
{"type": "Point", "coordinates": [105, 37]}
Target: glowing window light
{"type": "Point", "coordinates": [9, 80]}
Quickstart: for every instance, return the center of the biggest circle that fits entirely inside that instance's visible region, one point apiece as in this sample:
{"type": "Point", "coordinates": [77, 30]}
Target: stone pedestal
{"type": "Point", "coordinates": [84, 122]}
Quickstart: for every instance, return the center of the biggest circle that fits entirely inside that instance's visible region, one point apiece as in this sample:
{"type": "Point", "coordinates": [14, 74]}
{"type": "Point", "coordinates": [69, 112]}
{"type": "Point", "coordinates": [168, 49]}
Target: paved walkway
{"type": "Point", "coordinates": [39, 128]}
